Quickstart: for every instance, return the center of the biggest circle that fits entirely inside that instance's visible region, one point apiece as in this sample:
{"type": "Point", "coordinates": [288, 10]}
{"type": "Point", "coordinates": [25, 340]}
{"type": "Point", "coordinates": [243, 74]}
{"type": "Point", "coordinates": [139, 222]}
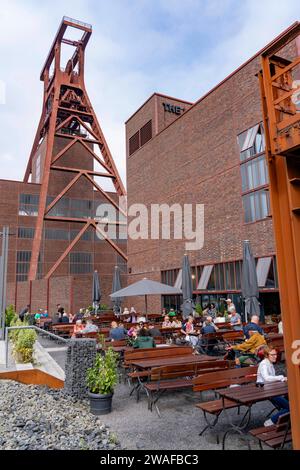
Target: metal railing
{"type": "Point", "coordinates": [8, 328]}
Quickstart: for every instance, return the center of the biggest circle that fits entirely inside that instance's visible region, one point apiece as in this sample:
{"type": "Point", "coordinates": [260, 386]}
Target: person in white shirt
{"type": "Point", "coordinates": [280, 327]}
{"type": "Point", "coordinates": [266, 374]}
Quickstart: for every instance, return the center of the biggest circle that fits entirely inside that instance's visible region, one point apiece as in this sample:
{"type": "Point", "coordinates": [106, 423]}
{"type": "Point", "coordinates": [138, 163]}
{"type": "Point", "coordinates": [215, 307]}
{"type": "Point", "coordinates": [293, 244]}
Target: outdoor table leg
{"type": "Point", "coordinates": [236, 428]}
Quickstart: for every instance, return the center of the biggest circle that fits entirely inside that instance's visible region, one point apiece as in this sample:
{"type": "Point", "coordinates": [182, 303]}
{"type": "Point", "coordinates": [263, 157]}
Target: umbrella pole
{"type": "Point", "coordinates": [146, 308]}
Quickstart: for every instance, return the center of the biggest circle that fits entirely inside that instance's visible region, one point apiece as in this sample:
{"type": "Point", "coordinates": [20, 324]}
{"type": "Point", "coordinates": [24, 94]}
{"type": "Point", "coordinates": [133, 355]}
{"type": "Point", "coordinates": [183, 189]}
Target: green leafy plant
{"type": "Point", "coordinates": [104, 307]}
{"type": "Point", "coordinates": [10, 315]}
{"type": "Point", "coordinates": [101, 340]}
{"type": "Point", "coordinates": [24, 344]}
{"type": "Point", "coordinates": [103, 376]}
{"type": "Point", "coordinates": [198, 309]}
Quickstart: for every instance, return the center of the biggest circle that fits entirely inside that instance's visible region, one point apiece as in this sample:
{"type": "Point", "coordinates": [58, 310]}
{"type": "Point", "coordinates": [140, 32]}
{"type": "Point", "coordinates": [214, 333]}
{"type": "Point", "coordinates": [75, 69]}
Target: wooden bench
{"type": "Point", "coordinates": [275, 436]}
{"type": "Point", "coordinates": [233, 336]}
{"type": "Point", "coordinates": [217, 380]}
{"type": "Point", "coordinates": [178, 377]}
{"type": "Point", "coordinates": [147, 353]}
{"type": "Point", "coordinates": [65, 330]}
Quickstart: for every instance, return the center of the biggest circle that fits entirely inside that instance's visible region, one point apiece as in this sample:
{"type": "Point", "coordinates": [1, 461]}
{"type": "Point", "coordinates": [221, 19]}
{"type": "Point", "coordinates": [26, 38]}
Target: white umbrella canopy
{"type": "Point", "coordinates": [146, 287]}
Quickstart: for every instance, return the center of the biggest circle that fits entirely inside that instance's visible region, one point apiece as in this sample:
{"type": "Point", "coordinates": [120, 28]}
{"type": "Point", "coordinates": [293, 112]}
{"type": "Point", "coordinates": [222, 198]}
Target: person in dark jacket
{"type": "Point", "coordinates": [153, 331]}
{"type": "Point", "coordinates": [23, 312]}
{"type": "Point", "coordinates": [117, 332]}
{"type": "Point", "coordinates": [253, 325]}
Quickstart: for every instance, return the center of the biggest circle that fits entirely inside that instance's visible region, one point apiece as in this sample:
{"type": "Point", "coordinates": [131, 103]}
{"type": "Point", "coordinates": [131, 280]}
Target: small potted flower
{"type": "Point", "coordinates": [101, 379]}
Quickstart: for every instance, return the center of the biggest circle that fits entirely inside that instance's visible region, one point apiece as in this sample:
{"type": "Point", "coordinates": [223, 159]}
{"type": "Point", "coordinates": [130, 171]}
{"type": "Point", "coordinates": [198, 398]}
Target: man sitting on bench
{"type": "Point", "coordinates": [246, 352]}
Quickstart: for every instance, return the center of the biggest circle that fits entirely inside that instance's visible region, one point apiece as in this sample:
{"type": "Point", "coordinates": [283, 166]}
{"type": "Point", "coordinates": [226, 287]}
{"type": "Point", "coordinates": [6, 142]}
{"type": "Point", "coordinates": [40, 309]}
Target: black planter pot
{"type": "Point", "coordinates": [100, 404]}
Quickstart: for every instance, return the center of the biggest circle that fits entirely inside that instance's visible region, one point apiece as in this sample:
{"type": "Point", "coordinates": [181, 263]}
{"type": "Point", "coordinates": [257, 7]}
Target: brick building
{"type": "Point", "coordinates": [212, 153]}
{"type": "Point", "coordinates": [57, 239]}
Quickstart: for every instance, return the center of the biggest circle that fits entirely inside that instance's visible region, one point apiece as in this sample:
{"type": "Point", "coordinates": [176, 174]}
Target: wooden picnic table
{"type": "Point", "coordinates": [168, 361]}
{"type": "Point", "coordinates": [248, 395]}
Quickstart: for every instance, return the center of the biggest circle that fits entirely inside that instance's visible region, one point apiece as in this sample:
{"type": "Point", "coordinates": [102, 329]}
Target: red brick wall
{"type": "Point", "coordinates": [196, 160]}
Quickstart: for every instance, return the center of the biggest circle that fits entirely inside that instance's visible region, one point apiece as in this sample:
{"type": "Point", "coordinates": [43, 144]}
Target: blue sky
{"type": "Point", "coordinates": [180, 48]}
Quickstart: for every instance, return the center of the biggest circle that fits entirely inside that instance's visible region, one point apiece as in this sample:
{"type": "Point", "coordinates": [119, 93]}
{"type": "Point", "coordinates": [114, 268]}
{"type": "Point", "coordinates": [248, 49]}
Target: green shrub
{"type": "Point", "coordinates": [10, 315]}
{"type": "Point", "coordinates": [198, 309]}
{"type": "Point", "coordinates": [104, 307]}
{"type": "Point", "coordinates": [23, 345]}
{"type": "Point", "coordinates": [103, 376]}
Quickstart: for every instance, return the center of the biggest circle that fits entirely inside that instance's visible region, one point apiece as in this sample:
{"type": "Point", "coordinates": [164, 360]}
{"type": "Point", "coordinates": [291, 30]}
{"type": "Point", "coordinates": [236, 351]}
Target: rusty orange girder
{"type": "Point", "coordinates": [67, 112]}
{"type": "Point", "coordinates": [279, 84]}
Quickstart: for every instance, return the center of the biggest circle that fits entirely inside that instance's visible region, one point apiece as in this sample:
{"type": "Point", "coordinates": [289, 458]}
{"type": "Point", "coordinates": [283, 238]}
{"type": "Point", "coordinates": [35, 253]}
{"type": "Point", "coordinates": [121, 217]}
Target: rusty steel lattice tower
{"type": "Point", "coordinates": [68, 121]}
{"type": "Point", "coordinates": [280, 92]}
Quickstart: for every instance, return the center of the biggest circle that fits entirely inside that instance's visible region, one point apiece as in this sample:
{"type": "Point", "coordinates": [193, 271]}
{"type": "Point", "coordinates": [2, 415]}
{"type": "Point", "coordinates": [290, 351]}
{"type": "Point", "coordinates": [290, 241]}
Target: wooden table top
{"type": "Point", "coordinates": [169, 361]}
{"type": "Point", "coordinates": [250, 393]}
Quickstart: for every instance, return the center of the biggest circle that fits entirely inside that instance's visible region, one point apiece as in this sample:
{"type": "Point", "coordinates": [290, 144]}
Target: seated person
{"type": "Point", "coordinates": [143, 339]}
{"type": "Point", "coordinates": [141, 318]}
{"type": "Point", "coordinates": [172, 312]}
{"type": "Point", "coordinates": [167, 322]}
{"type": "Point", "coordinates": [44, 314]}
{"type": "Point", "coordinates": [208, 328]}
{"type": "Point", "coordinates": [235, 319]}
{"type": "Point", "coordinates": [38, 315]}
{"type": "Point", "coordinates": [71, 317]}
{"type": "Point", "coordinates": [90, 327]}
{"type": "Point", "coordinates": [253, 325]}
{"type": "Point", "coordinates": [117, 332]}
{"type": "Point", "coordinates": [248, 349]}
{"type": "Point", "coordinates": [65, 318]}
{"type": "Point", "coordinates": [191, 334]}
{"type": "Point", "coordinates": [131, 331]}
{"type": "Point", "coordinates": [280, 327]}
{"type": "Point", "coordinates": [176, 323]}
{"type": "Point", "coordinates": [154, 331]}
{"type": "Point", "coordinates": [126, 312]}
{"type": "Point", "coordinates": [266, 374]}
{"type": "Point", "coordinates": [78, 327]}
{"type": "Point", "coordinates": [79, 315]}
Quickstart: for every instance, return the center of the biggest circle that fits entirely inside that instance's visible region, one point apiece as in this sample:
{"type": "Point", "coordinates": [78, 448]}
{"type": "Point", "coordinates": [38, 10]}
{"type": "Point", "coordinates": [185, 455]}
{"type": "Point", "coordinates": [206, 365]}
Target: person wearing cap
{"type": "Point", "coordinates": [172, 312]}
{"type": "Point", "coordinates": [229, 304]}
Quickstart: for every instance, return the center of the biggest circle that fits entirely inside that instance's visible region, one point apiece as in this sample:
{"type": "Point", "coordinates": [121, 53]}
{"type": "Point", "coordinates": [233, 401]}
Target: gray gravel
{"type": "Point", "coordinates": [36, 417]}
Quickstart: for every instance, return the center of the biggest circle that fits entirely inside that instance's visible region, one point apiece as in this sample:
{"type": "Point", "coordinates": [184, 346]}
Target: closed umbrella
{"type": "Point", "coordinates": [187, 289]}
{"type": "Point", "coordinates": [146, 287]}
{"type": "Point", "coordinates": [96, 291]}
{"type": "Point", "coordinates": [116, 286]}
{"type": "Point", "coordinates": [250, 290]}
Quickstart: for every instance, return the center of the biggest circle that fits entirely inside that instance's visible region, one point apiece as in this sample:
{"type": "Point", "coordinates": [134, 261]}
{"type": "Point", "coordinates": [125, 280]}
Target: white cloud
{"type": "Point", "coordinates": [137, 47]}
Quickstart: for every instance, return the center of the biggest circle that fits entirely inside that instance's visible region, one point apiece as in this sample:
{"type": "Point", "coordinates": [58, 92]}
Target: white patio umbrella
{"type": "Point", "coordinates": [146, 287]}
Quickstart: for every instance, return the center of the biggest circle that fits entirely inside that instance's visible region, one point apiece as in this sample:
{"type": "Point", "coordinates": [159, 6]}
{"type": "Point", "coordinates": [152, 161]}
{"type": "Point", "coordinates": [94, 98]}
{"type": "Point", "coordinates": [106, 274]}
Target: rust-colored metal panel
{"type": "Point", "coordinates": [282, 130]}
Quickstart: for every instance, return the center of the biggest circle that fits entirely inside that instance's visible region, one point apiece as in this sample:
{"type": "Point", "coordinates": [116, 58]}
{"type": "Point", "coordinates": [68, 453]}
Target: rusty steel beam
{"type": "Point", "coordinates": [64, 150]}
{"type": "Point", "coordinates": [283, 171]}
{"type": "Point", "coordinates": [76, 170]}
{"type": "Point", "coordinates": [97, 158]}
{"type": "Point", "coordinates": [114, 245]}
{"type": "Point", "coordinates": [63, 192]}
{"type": "Point", "coordinates": [67, 250]}
{"type": "Point", "coordinates": [104, 194]}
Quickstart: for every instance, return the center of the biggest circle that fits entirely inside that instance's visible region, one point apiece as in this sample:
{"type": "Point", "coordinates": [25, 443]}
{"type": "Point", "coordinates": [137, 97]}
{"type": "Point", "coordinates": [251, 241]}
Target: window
{"type": "Point", "coordinates": [254, 174]}
{"type": "Point", "coordinates": [28, 204]}
{"type": "Point", "coordinates": [25, 232]}
{"type": "Point", "coordinates": [178, 281]}
{"type": "Point", "coordinates": [140, 138]}
{"type": "Point", "coordinates": [256, 205]}
{"type": "Point", "coordinates": [87, 236]}
{"type": "Point", "coordinates": [146, 133]}
{"type": "Point", "coordinates": [23, 265]}
{"type": "Point", "coordinates": [81, 263]}
{"type": "Point", "coordinates": [134, 143]}
{"type": "Point", "coordinates": [56, 234]}
{"type": "Point", "coordinates": [122, 264]}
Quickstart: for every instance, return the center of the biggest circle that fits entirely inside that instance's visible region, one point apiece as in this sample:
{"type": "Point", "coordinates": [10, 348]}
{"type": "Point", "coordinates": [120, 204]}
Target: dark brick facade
{"type": "Point", "coordinates": [196, 159]}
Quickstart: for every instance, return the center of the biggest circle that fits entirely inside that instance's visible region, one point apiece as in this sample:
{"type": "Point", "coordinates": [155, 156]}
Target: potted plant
{"type": "Point", "coordinates": [101, 379]}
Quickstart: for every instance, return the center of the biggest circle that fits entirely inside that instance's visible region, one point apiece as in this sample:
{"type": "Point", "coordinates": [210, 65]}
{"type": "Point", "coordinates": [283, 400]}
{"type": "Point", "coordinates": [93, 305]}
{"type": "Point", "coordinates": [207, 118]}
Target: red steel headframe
{"type": "Point", "coordinates": [67, 108]}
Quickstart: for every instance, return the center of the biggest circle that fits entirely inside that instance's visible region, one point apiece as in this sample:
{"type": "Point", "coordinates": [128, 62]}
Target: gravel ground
{"type": "Point", "coordinates": [130, 422]}
{"type": "Point", "coordinates": [36, 417]}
